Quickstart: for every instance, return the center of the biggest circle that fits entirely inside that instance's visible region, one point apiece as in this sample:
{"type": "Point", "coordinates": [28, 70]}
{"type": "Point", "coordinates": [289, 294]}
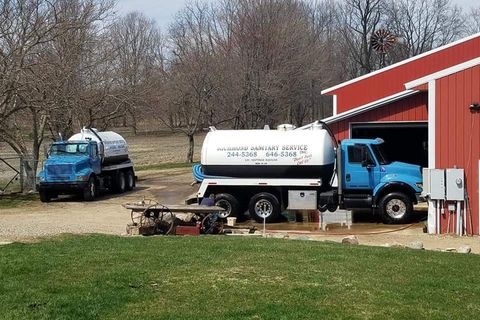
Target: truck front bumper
{"type": "Point", "coordinates": [62, 187]}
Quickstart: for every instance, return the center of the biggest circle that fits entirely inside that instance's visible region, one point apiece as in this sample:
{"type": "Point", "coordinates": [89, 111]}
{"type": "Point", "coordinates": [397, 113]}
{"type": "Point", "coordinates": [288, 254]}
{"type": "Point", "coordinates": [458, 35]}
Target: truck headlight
{"type": "Point", "coordinates": [419, 185]}
{"type": "Point", "coordinates": [82, 178]}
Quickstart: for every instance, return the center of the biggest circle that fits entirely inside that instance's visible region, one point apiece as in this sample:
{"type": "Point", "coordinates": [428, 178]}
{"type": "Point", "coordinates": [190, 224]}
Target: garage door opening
{"type": "Point", "coordinates": [406, 142]}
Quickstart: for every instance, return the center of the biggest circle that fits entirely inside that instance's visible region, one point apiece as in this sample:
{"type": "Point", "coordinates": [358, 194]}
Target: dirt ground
{"type": "Point", "coordinates": [166, 148]}
{"type": "Point", "coordinates": [106, 215]}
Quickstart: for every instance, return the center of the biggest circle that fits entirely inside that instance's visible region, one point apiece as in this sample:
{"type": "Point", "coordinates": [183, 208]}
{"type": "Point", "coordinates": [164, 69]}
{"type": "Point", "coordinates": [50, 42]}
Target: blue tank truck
{"type": "Point", "coordinates": [88, 162]}
{"type": "Point", "coordinates": [268, 171]}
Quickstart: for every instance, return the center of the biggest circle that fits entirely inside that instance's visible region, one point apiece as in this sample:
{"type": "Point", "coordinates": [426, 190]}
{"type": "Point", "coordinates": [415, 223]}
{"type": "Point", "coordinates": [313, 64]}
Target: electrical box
{"type": "Point", "coordinates": [302, 200]}
{"type": "Point", "coordinates": [437, 184]}
{"type": "Point", "coordinates": [455, 184]}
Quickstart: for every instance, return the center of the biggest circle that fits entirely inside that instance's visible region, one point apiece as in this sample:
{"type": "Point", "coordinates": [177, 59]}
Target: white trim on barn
{"type": "Point", "coordinates": [443, 73]}
{"type": "Point", "coordinates": [370, 106]}
{"type": "Point", "coordinates": [334, 98]}
{"type": "Point", "coordinates": [368, 75]}
{"type": "Point", "coordinates": [432, 224]}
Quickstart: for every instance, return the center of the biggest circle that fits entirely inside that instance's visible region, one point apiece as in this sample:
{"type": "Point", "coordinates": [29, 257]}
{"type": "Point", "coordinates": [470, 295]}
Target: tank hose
{"type": "Point", "coordinates": [330, 132]}
{"type": "Point", "coordinates": [199, 176]}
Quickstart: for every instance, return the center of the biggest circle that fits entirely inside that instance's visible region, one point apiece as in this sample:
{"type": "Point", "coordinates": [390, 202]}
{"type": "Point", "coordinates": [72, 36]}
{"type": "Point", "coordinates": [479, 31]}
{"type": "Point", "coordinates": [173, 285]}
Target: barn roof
{"type": "Point", "coordinates": [370, 106]}
{"type": "Point", "coordinates": [398, 64]}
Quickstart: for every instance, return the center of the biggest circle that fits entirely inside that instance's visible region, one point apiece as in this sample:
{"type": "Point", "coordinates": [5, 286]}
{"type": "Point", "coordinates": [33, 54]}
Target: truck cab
{"type": "Point", "coordinates": [369, 180]}
{"type": "Point", "coordinates": [68, 168]}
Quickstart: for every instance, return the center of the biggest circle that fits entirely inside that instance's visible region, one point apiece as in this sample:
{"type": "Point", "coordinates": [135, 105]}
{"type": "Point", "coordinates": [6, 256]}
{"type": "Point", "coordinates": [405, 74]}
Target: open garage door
{"type": "Point", "coordinates": [404, 141]}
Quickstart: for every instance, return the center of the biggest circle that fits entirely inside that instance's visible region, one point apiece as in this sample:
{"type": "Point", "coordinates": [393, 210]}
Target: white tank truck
{"type": "Point", "coordinates": [267, 171]}
{"type": "Point", "coordinates": [86, 163]}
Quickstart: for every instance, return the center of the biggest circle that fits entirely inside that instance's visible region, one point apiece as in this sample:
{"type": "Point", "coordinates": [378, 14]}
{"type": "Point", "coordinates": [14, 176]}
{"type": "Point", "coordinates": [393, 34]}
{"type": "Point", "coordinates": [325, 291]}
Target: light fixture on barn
{"type": "Point", "coordinates": [382, 41]}
{"type": "Point", "coordinates": [475, 107]}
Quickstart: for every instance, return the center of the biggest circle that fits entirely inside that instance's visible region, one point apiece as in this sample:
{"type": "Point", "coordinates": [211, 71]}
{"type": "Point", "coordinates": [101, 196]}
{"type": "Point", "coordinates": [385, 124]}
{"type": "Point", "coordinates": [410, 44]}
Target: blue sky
{"type": "Point", "coordinates": [163, 11]}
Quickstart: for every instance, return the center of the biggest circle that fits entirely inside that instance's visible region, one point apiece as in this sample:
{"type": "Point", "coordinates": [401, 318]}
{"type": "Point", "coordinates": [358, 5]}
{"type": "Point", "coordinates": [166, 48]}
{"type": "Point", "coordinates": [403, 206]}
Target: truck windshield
{"type": "Point", "coordinates": [380, 154]}
{"type": "Point", "coordinates": [71, 149]}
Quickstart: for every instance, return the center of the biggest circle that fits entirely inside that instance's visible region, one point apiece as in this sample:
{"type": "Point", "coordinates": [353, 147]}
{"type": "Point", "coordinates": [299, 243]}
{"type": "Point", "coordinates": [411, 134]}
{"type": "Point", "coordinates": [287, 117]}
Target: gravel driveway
{"type": "Point", "coordinates": [106, 215]}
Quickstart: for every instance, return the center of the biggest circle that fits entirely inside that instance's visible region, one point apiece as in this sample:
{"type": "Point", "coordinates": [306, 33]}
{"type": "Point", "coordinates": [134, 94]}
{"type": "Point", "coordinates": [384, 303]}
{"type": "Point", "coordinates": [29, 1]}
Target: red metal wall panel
{"type": "Point", "coordinates": [457, 134]}
{"type": "Point", "coordinates": [392, 81]}
{"type": "Point", "coordinates": [413, 108]}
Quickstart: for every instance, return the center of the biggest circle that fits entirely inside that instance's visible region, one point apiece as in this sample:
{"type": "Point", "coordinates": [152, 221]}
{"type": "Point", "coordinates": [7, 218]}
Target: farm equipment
{"type": "Point", "coordinates": [152, 217]}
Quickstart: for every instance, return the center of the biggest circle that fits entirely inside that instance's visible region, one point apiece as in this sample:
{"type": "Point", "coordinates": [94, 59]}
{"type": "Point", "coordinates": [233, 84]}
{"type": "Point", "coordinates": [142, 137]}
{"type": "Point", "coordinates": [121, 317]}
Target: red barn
{"type": "Point", "coordinates": [426, 109]}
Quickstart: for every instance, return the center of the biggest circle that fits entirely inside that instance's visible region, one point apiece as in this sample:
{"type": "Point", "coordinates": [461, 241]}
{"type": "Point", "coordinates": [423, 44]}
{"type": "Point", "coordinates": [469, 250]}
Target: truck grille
{"type": "Point", "coordinates": [59, 169]}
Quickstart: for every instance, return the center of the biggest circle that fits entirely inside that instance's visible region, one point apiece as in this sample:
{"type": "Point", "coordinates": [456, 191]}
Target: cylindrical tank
{"type": "Point", "coordinates": [112, 146]}
{"type": "Point", "coordinates": [269, 153]}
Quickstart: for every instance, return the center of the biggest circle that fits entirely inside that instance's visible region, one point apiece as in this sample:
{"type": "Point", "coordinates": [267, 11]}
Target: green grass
{"type": "Point", "coordinates": [106, 277]}
{"type": "Point", "coordinates": [16, 200]}
{"type": "Point", "coordinates": [163, 166]}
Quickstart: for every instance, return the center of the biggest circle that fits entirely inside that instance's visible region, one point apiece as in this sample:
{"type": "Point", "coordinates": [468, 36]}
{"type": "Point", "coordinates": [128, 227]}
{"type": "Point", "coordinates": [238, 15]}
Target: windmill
{"type": "Point", "coordinates": [382, 41]}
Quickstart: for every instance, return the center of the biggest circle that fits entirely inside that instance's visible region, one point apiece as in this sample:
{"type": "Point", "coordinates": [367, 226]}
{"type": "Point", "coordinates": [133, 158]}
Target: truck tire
{"type": "Point", "coordinates": [267, 203]}
{"type": "Point", "coordinates": [396, 208]}
{"type": "Point", "coordinates": [45, 196]}
{"type": "Point", "coordinates": [229, 203]}
{"type": "Point", "coordinates": [129, 180]}
{"type": "Point", "coordinates": [120, 184]}
{"type": "Point", "coordinates": [90, 190]}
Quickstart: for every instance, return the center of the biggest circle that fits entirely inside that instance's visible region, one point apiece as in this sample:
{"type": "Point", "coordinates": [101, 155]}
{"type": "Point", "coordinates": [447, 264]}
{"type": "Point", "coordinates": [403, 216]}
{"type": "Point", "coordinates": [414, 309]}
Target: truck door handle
{"type": "Point", "coordinates": [347, 177]}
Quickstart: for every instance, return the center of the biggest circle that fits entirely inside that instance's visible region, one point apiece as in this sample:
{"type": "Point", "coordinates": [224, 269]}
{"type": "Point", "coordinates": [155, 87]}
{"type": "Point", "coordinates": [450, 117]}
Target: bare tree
{"type": "Point", "coordinates": [190, 77]}
{"type": "Point", "coordinates": [139, 46]}
{"type": "Point", "coordinates": [359, 19]}
{"type": "Point", "coordinates": [473, 21]}
{"type": "Point", "coordinates": [77, 66]}
{"type": "Point", "coordinates": [422, 25]}
{"type": "Point", "coordinates": [42, 50]}
{"type": "Point", "coordinates": [25, 26]}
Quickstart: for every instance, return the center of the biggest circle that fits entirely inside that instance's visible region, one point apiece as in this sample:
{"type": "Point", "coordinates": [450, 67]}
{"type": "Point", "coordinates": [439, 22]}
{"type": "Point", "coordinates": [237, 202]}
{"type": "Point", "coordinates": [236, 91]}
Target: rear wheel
{"type": "Point", "coordinates": [45, 196]}
{"type": "Point", "coordinates": [129, 180]}
{"type": "Point", "coordinates": [396, 208]}
{"type": "Point", "coordinates": [120, 184]}
{"type": "Point", "coordinates": [90, 190]}
{"type": "Point", "coordinates": [229, 203]}
{"type": "Point", "coordinates": [264, 205]}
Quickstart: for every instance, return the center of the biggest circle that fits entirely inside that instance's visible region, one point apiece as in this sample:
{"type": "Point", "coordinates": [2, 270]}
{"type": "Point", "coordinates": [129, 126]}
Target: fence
{"type": "Point", "coordinates": [17, 174]}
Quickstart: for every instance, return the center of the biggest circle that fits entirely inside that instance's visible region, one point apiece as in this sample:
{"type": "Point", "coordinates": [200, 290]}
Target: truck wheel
{"type": "Point", "coordinates": [45, 196]}
{"type": "Point", "coordinates": [120, 184]}
{"type": "Point", "coordinates": [90, 190]}
{"type": "Point", "coordinates": [264, 204]}
{"type": "Point", "coordinates": [229, 203]}
{"type": "Point", "coordinates": [396, 208]}
{"type": "Point", "coordinates": [130, 180]}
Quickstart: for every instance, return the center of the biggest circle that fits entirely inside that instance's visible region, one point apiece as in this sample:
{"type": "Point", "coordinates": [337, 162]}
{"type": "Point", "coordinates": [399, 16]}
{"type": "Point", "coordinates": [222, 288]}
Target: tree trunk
{"type": "Point", "coordinates": [30, 171]}
{"type": "Point", "coordinates": [191, 148]}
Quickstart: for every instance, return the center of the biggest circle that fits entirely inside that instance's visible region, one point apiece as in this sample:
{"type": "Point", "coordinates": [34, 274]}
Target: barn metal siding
{"type": "Point", "coordinates": [457, 134]}
{"type": "Point", "coordinates": [413, 108]}
{"type": "Point", "coordinates": [392, 81]}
